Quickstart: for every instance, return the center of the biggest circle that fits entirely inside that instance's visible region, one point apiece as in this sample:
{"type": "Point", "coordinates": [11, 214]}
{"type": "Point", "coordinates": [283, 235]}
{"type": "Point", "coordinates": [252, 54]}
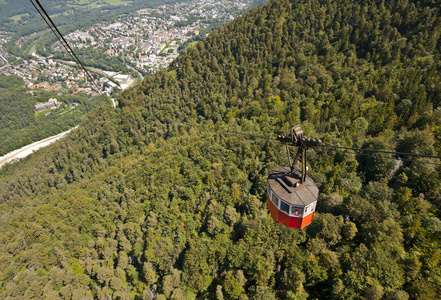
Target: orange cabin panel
{"type": "Point", "coordinates": [307, 220]}
{"type": "Point", "coordinates": [295, 196]}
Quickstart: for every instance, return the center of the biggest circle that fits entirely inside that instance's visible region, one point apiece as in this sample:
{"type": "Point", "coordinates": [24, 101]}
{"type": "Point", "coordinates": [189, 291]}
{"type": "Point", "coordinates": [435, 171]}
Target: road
{"type": "Point", "coordinates": [139, 73]}
{"type": "Point", "coordinates": [5, 66]}
{"type": "Point", "coordinates": [29, 149]}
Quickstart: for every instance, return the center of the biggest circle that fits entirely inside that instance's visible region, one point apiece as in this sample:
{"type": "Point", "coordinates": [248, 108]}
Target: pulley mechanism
{"type": "Point", "coordinates": [297, 139]}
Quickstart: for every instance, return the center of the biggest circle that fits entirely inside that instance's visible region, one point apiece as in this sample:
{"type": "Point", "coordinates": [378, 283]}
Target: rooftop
{"type": "Point", "coordinates": [299, 194]}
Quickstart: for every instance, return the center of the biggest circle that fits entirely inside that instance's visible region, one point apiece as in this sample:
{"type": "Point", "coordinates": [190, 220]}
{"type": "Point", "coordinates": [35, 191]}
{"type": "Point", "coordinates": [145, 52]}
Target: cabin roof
{"type": "Point", "coordinates": [301, 195]}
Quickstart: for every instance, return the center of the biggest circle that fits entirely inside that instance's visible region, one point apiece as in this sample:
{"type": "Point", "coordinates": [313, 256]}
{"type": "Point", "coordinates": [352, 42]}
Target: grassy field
{"type": "Point", "coordinates": [93, 3]}
{"type": "Point", "coordinates": [17, 17]}
{"type": "Point", "coordinates": [85, 2]}
{"type": "Point", "coordinates": [192, 44]}
{"type": "Point", "coordinates": [117, 2]}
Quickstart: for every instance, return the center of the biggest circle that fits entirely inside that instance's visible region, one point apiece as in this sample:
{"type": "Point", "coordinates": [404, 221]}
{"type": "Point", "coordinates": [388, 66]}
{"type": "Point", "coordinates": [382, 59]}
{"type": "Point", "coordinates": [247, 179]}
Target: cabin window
{"type": "Point", "coordinates": [284, 207]}
{"type": "Point", "coordinates": [274, 199]}
{"type": "Point", "coordinates": [296, 211]}
{"type": "Point", "coordinates": [309, 209]}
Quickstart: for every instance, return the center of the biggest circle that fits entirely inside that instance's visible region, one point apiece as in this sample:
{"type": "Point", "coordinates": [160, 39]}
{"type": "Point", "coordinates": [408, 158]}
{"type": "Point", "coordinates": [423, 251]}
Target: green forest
{"type": "Point", "coordinates": [81, 11]}
{"type": "Point", "coordinates": [21, 124]}
{"type": "Point", "coordinates": [165, 196]}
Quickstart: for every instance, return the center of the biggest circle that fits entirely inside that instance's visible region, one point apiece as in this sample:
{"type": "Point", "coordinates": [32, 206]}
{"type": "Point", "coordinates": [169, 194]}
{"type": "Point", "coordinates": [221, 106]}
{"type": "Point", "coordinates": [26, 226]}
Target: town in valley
{"type": "Point", "coordinates": [143, 42]}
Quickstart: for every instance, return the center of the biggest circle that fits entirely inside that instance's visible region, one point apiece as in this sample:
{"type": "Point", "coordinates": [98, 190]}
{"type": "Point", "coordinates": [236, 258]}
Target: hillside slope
{"type": "Point", "coordinates": [155, 200]}
{"type": "Point", "coordinates": [21, 124]}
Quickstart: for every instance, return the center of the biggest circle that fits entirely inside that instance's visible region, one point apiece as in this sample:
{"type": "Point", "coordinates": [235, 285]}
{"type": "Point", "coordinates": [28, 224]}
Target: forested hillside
{"type": "Point", "coordinates": [21, 124]}
{"type": "Point", "coordinates": [156, 200]}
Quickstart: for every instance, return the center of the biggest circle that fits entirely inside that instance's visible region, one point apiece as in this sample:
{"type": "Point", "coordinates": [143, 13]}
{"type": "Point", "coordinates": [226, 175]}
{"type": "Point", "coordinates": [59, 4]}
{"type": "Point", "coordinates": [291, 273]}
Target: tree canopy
{"type": "Point", "coordinates": [158, 200]}
{"type": "Point", "coordinates": [21, 124]}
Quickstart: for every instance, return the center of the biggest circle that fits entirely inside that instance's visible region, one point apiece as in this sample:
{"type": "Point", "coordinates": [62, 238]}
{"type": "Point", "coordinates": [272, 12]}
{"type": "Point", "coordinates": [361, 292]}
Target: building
{"type": "Point", "coordinates": [51, 104]}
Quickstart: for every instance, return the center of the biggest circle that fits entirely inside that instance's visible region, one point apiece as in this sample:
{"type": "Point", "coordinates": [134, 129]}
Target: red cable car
{"type": "Point", "coordinates": [292, 195]}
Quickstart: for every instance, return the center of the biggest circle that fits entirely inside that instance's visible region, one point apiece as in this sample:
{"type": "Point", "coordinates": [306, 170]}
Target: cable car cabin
{"type": "Point", "coordinates": [290, 201]}
{"type": "Point", "coordinates": [292, 194]}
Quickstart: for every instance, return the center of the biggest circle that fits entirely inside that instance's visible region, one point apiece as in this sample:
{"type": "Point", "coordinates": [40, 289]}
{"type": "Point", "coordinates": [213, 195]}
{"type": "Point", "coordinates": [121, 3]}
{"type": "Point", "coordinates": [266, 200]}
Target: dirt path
{"type": "Point", "coordinates": [29, 149]}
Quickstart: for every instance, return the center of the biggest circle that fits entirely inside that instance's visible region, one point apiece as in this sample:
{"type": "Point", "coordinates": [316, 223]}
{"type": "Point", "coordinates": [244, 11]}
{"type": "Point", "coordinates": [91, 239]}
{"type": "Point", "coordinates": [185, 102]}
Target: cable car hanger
{"type": "Point", "coordinates": [292, 195]}
{"type": "Point", "coordinates": [298, 139]}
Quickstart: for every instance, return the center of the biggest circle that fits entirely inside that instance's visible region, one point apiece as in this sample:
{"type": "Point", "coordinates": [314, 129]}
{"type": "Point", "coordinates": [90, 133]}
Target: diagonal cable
{"type": "Point", "coordinates": [56, 35]}
{"type": "Point", "coordinates": [66, 43]}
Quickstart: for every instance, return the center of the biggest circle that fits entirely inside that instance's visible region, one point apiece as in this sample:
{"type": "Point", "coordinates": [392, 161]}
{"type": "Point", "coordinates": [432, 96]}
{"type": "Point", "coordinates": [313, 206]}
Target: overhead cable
{"type": "Point", "coordinates": [382, 151]}
{"type": "Point", "coordinates": [247, 134]}
{"type": "Point", "coordinates": [61, 38]}
{"type": "Point", "coordinates": [394, 158]}
{"type": "Point", "coordinates": [233, 132]}
{"type": "Point", "coordinates": [349, 148]}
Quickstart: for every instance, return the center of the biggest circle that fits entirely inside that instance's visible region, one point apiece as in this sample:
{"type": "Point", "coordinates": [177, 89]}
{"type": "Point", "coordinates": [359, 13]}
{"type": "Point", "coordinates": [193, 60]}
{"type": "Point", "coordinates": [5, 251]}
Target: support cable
{"type": "Point", "coordinates": [348, 148]}
{"type": "Point", "coordinates": [56, 35]}
{"type": "Point", "coordinates": [60, 36]}
{"type": "Point", "coordinates": [247, 134]}
{"type": "Point", "coordinates": [382, 151]}
{"type": "Point", "coordinates": [399, 158]}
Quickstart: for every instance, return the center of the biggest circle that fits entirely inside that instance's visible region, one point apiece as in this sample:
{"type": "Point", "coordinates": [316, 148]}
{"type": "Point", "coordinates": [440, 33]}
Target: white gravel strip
{"type": "Point", "coordinates": [29, 149]}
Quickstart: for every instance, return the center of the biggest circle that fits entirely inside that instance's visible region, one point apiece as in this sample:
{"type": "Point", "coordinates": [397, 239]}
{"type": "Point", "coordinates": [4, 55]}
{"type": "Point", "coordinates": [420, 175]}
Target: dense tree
{"type": "Point", "coordinates": [21, 124]}
{"type": "Point", "coordinates": [164, 198]}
